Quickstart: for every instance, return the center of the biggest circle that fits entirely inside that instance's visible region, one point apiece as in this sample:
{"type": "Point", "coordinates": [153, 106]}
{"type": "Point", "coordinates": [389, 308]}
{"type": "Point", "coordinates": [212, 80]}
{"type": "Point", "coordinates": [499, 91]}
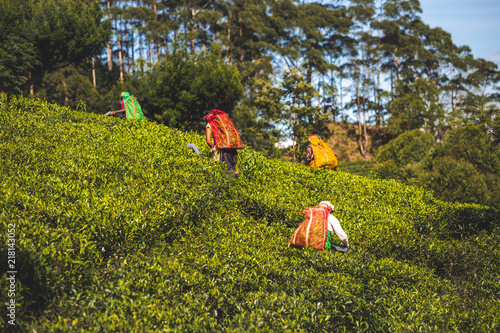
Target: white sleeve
{"type": "Point", "coordinates": [334, 226]}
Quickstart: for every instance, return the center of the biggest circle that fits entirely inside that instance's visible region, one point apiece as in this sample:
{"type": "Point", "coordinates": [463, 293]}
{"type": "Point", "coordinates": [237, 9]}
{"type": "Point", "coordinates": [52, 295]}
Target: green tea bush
{"type": "Point", "coordinates": [121, 227]}
{"type": "Point", "coordinates": [409, 147]}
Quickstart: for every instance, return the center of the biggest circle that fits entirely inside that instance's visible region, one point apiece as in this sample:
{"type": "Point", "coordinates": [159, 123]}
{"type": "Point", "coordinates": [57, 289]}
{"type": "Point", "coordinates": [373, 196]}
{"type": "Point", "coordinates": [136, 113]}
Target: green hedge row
{"type": "Point", "coordinates": [121, 227]}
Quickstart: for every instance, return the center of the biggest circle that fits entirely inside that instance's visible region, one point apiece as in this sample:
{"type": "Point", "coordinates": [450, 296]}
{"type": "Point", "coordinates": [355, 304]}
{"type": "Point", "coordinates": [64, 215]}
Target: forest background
{"type": "Point", "coordinates": [364, 74]}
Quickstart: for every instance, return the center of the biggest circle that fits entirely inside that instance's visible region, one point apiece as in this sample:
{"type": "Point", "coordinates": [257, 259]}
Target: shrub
{"type": "Point", "coordinates": [409, 147]}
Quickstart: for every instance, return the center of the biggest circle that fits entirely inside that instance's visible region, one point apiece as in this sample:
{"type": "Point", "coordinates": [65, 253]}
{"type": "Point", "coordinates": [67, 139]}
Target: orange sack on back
{"type": "Point", "coordinates": [312, 231]}
{"type": "Point", "coordinates": [225, 134]}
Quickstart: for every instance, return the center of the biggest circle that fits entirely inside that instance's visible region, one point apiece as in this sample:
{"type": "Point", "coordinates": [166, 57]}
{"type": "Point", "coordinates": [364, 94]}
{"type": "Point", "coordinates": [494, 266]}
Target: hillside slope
{"type": "Point", "coordinates": [120, 227]}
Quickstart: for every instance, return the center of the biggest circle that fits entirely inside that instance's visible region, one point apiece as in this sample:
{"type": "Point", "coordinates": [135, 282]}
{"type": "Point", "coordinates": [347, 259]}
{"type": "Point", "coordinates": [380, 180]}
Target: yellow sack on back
{"type": "Point", "coordinates": [323, 155]}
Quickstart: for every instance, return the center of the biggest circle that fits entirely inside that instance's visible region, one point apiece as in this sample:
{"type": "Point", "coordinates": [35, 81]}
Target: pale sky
{"type": "Point", "coordinates": [475, 23]}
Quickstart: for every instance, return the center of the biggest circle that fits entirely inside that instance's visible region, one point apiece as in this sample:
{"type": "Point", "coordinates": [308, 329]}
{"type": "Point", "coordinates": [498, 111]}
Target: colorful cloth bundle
{"type": "Point", "coordinates": [132, 108]}
{"type": "Point", "coordinates": [323, 155]}
{"type": "Point", "coordinates": [226, 136]}
{"type": "Point", "coordinates": [312, 231]}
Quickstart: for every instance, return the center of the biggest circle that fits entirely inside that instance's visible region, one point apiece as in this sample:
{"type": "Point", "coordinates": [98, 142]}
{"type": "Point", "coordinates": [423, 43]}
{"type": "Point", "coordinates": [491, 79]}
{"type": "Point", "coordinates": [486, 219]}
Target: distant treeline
{"type": "Point", "coordinates": [281, 69]}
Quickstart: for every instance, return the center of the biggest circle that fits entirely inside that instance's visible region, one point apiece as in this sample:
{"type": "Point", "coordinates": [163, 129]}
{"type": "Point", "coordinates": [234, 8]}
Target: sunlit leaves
{"type": "Point", "coordinates": [121, 227]}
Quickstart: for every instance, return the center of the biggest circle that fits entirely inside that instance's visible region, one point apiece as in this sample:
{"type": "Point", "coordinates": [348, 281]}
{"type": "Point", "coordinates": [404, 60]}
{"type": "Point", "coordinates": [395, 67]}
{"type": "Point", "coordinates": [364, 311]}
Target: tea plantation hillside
{"type": "Point", "coordinates": [119, 227]}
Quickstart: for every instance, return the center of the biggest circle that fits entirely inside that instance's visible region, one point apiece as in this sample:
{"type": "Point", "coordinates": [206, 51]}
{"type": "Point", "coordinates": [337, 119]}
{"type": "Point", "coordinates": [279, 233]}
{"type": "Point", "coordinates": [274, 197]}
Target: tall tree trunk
{"type": "Point", "coordinates": [66, 98]}
{"type": "Point", "coordinates": [132, 53]}
{"type": "Point", "coordinates": [110, 51]}
{"type": "Point", "coordinates": [193, 14]}
{"type": "Point", "coordinates": [341, 100]}
{"type": "Point", "coordinates": [228, 35]}
{"type": "Point", "coordinates": [294, 142]}
{"type": "Point", "coordinates": [157, 43]}
{"type": "Point", "coordinates": [396, 61]}
{"type": "Point", "coordinates": [380, 118]}
{"type": "Point", "coordinates": [192, 40]}
{"type": "Point", "coordinates": [126, 44]}
{"type": "Point", "coordinates": [141, 47]}
{"type": "Point", "coordinates": [110, 57]}
{"type": "Point", "coordinates": [32, 88]}
{"type": "Point", "coordinates": [120, 59]}
{"type": "Point", "coordinates": [241, 36]}
{"type": "Point", "coordinates": [365, 134]}
{"type": "Point", "coordinates": [452, 100]}
{"type": "Point", "coordinates": [359, 136]}
{"type": "Point", "coordinates": [94, 80]}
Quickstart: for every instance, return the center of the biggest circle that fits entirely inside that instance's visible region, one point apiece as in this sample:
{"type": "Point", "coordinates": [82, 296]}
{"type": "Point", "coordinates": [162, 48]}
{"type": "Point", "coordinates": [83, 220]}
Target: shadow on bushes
{"type": "Point", "coordinates": [32, 292]}
{"type": "Point", "coordinates": [460, 221]}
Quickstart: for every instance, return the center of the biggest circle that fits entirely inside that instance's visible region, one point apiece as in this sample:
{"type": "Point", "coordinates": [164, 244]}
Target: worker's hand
{"type": "Point", "coordinates": [212, 150]}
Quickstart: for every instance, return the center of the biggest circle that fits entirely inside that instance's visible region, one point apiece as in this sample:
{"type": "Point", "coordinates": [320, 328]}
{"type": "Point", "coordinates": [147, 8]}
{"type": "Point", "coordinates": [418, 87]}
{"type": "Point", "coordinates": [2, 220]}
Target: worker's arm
{"type": "Point", "coordinates": [208, 136]}
{"type": "Point", "coordinates": [334, 223]}
{"type": "Point", "coordinates": [115, 112]}
{"type": "Point", "coordinates": [309, 155]}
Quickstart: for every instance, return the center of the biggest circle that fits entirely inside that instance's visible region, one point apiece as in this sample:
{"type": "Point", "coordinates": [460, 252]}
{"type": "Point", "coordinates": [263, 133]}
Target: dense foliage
{"type": "Point", "coordinates": [371, 61]}
{"type": "Point", "coordinates": [408, 148]}
{"type": "Point", "coordinates": [181, 88]}
{"type": "Point", "coordinates": [45, 35]}
{"type": "Point", "coordinates": [121, 227]}
{"type": "Point", "coordinates": [464, 167]}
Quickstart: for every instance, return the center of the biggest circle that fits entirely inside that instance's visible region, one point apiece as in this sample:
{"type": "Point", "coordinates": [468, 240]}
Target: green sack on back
{"type": "Point", "coordinates": [132, 108]}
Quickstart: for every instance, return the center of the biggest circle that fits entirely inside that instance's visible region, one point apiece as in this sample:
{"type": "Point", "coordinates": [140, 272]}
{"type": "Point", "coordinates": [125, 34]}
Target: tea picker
{"type": "Point", "coordinates": [319, 155]}
{"type": "Point", "coordinates": [130, 106]}
{"type": "Point", "coordinates": [226, 141]}
{"type": "Point", "coordinates": [317, 230]}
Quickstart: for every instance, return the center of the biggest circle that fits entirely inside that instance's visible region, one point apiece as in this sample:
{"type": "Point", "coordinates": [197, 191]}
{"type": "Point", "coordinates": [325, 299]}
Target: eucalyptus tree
{"type": "Point", "coordinates": [289, 105]}
{"type": "Point", "coordinates": [47, 35]}
{"type": "Point", "coordinates": [249, 35]}
{"type": "Point", "coordinates": [416, 57]}
{"type": "Point", "coordinates": [155, 22]}
{"type": "Point", "coordinates": [400, 43]}
{"type": "Point", "coordinates": [456, 85]}
{"type": "Point", "coordinates": [483, 74]}
{"type": "Point", "coordinates": [308, 33]}
{"type": "Point", "coordinates": [417, 107]}
{"type": "Point", "coordinates": [361, 62]}
{"type": "Point", "coordinates": [197, 21]}
{"type": "Point", "coordinates": [107, 5]}
{"type": "Point", "coordinates": [122, 19]}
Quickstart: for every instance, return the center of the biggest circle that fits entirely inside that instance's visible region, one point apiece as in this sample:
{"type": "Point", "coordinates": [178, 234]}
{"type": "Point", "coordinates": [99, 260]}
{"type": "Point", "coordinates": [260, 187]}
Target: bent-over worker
{"type": "Point", "coordinates": [334, 227]}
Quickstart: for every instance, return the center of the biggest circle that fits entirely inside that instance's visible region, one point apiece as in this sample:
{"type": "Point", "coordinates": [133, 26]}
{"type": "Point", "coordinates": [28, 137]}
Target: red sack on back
{"type": "Point", "coordinates": [225, 134]}
{"type": "Point", "coordinates": [313, 230]}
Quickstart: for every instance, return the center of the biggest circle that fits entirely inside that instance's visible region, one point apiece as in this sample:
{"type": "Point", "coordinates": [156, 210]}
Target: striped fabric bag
{"type": "Point", "coordinates": [323, 155]}
{"type": "Point", "coordinates": [226, 136]}
{"type": "Point", "coordinates": [132, 108]}
{"type": "Point", "coordinates": [312, 231]}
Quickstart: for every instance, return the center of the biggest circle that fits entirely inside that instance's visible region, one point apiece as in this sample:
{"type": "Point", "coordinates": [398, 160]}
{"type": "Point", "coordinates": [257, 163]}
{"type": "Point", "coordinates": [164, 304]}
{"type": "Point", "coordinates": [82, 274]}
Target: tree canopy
{"type": "Point", "coordinates": [40, 36]}
{"type": "Point", "coordinates": [183, 87]}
